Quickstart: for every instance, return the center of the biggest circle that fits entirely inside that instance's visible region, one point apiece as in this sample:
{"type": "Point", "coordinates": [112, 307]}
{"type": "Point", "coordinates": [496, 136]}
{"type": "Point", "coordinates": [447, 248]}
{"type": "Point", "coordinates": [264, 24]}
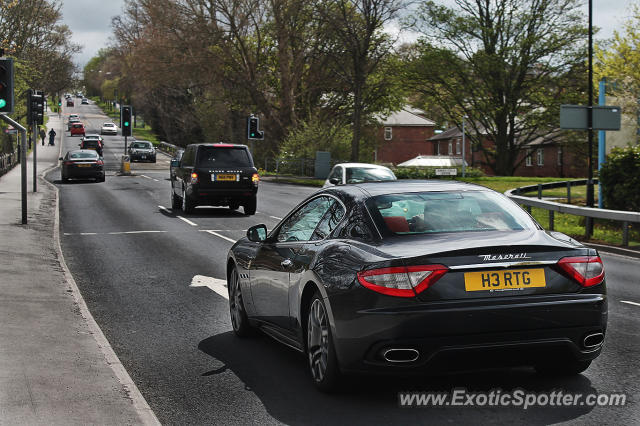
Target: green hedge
{"type": "Point", "coordinates": [620, 179]}
{"type": "Point", "coordinates": [430, 172]}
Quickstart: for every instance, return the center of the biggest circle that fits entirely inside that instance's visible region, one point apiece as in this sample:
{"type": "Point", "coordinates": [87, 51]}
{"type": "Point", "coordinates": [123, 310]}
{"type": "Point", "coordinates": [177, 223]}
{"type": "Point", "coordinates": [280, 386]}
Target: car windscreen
{"type": "Point", "coordinates": [83, 155]}
{"type": "Point", "coordinates": [368, 174]}
{"type": "Point", "coordinates": [457, 211]}
{"type": "Point", "coordinates": [141, 145]}
{"type": "Point", "coordinates": [209, 156]}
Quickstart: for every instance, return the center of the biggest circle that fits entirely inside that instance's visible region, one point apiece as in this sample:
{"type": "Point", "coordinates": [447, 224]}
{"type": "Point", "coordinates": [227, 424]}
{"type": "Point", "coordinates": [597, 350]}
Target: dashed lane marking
{"type": "Point", "coordinates": [187, 221]}
{"type": "Point", "coordinates": [219, 235]}
{"type": "Point", "coordinates": [275, 217]}
{"type": "Point", "coordinates": [113, 233]}
{"type": "Point", "coordinates": [150, 178]}
{"type": "Point", "coordinates": [164, 209]}
{"type": "Point", "coordinates": [217, 285]}
{"type": "Point", "coordinates": [630, 303]}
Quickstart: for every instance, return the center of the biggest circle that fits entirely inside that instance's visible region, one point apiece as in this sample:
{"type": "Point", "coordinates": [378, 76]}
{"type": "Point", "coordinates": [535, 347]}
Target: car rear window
{"type": "Point", "coordinates": [82, 155]}
{"type": "Point", "coordinates": [77, 126]}
{"type": "Point", "coordinates": [90, 143]}
{"type": "Point", "coordinates": [210, 156]}
{"type": "Point", "coordinates": [464, 211]}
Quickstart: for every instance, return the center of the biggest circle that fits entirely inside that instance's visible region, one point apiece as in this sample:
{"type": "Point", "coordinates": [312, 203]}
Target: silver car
{"type": "Point", "coordinates": [346, 173]}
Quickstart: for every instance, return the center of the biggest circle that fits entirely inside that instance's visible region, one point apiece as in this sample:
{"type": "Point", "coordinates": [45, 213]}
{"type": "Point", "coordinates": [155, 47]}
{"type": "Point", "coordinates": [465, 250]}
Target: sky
{"type": "Point", "coordinates": [90, 21]}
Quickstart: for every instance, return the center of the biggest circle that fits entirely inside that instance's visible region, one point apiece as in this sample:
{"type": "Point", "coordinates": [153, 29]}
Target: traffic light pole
{"type": "Point", "coordinates": [23, 163]}
{"type": "Point", "coordinates": [34, 143]}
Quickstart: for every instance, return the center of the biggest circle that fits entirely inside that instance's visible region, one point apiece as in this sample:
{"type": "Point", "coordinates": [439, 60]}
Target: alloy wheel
{"type": "Point", "coordinates": [318, 340]}
{"type": "Point", "coordinates": [235, 300]}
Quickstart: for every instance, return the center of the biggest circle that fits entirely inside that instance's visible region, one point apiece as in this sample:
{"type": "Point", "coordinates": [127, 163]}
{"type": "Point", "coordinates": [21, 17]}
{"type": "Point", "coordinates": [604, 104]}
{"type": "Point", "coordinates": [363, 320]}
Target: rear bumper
{"type": "Point", "coordinates": [221, 197]}
{"type": "Point", "coordinates": [84, 174]}
{"type": "Point", "coordinates": [461, 336]}
{"type": "Point", "coordinates": [142, 157]}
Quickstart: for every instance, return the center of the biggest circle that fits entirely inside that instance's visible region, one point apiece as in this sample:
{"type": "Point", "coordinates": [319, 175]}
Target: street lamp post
{"type": "Point", "coordinates": [589, 223]}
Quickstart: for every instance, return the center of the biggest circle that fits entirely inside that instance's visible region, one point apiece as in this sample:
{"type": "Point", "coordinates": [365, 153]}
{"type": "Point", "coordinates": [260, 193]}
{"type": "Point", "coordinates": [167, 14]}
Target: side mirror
{"type": "Point", "coordinates": [335, 181]}
{"type": "Point", "coordinates": [175, 163]}
{"type": "Point", "coordinates": [257, 233]}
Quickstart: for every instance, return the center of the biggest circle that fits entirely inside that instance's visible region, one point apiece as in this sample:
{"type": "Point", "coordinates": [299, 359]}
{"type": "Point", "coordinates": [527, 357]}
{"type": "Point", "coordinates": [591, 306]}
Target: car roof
{"type": "Point", "coordinates": [108, 123]}
{"type": "Point", "coordinates": [92, 135]}
{"type": "Point", "coordinates": [372, 189]}
{"type": "Point", "coordinates": [368, 165]}
{"type": "Point", "coordinates": [219, 145]}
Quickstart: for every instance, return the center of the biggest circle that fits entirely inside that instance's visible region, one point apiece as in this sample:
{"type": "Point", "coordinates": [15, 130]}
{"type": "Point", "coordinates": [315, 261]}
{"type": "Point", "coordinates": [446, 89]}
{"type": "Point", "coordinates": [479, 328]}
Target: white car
{"type": "Point", "coordinates": [345, 173]}
{"type": "Point", "coordinates": [109, 128]}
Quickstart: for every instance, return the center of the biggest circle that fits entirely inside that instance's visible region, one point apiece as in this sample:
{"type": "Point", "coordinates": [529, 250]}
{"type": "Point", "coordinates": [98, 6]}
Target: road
{"type": "Point", "coordinates": [134, 261]}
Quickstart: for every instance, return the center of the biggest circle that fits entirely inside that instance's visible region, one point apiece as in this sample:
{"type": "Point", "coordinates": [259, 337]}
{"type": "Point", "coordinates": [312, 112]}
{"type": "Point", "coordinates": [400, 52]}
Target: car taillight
{"type": "Point", "coordinates": [194, 178]}
{"type": "Point", "coordinates": [100, 162]}
{"type": "Point", "coordinates": [255, 178]}
{"type": "Point", "coordinates": [402, 281]}
{"type": "Point", "coordinates": [586, 270]}
{"type": "Point", "coordinates": [68, 163]}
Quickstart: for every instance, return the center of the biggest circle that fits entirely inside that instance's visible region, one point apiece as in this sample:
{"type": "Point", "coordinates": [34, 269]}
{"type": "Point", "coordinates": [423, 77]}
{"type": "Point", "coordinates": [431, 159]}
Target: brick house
{"type": "Point", "coordinates": [403, 135]}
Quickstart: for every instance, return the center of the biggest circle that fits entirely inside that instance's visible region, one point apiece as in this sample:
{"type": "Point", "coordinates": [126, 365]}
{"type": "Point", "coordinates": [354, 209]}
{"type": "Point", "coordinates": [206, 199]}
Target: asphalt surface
{"type": "Point", "coordinates": [134, 261]}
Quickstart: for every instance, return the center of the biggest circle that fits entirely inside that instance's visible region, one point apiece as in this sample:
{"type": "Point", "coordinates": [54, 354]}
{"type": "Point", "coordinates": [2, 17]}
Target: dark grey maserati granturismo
{"type": "Point", "coordinates": [414, 276]}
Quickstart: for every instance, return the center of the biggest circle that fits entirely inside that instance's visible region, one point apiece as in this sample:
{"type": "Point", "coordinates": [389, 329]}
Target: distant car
{"type": "Point", "coordinates": [70, 102]}
{"type": "Point", "coordinates": [77, 129]}
{"type": "Point", "coordinates": [72, 119]}
{"type": "Point", "coordinates": [215, 174]}
{"type": "Point", "coordinates": [82, 164]}
{"type": "Point", "coordinates": [84, 101]}
{"type": "Point", "coordinates": [92, 142]}
{"type": "Point", "coordinates": [109, 128]}
{"type": "Point", "coordinates": [142, 151]}
{"type": "Point", "coordinates": [175, 162]}
{"type": "Point", "coordinates": [79, 95]}
{"type": "Point", "coordinates": [346, 173]}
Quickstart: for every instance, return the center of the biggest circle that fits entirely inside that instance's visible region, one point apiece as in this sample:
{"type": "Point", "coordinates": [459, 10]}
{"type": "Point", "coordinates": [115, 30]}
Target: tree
{"type": "Point", "coordinates": [505, 64]}
{"type": "Point", "coordinates": [618, 60]}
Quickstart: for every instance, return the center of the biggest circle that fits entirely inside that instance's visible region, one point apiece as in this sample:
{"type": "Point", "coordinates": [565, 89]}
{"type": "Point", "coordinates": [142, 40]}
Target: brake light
{"type": "Point", "coordinates": [68, 163]}
{"type": "Point", "coordinates": [100, 162]}
{"type": "Point", "coordinates": [401, 281]}
{"type": "Point", "coordinates": [255, 178]}
{"type": "Point", "coordinates": [586, 270]}
{"type": "Point", "coordinates": [194, 178]}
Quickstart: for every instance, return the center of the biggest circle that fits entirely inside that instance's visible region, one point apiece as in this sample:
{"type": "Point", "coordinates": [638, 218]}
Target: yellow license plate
{"type": "Point", "coordinates": [226, 178]}
{"type": "Point", "coordinates": [84, 165]}
{"type": "Point", "coordinates": [504, 280]}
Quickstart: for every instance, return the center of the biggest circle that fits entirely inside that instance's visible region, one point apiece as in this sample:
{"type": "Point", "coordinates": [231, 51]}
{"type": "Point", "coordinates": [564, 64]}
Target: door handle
{"type": "Point", "coordinates": [286, 263]}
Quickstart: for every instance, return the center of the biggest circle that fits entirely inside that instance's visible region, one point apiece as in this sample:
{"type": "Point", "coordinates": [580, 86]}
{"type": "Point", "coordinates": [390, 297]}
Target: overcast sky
{"type": "Point", "coordinates": [90, 21]}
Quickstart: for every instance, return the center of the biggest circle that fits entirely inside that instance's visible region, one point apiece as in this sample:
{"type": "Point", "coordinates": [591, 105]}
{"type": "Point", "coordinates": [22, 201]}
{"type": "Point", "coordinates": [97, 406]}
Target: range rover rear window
{"type": "Point", "coordinates": [209, 156]}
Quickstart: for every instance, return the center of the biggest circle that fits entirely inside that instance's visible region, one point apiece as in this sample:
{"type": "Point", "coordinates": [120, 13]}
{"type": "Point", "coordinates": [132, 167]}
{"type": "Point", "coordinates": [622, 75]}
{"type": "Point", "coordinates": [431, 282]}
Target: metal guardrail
{"type": "Point", "coordinates": [589, 212]}
{"type": "Point", "coordinates": [169, 148]}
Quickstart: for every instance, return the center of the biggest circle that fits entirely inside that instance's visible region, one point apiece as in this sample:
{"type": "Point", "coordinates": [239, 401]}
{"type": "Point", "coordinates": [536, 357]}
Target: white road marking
{"type": "Point", "coordinates": [113, 233]}
{"type": "Point", "coordinates": [187, 220]}
{"type": "Point", "coordinates": [146, 177]}
{"type": "Point", "coordinates": [164, 208]}
{"type": "Point", "coordinates": [88, 233]}
{"type": "Point", "coordinates": [150, 178]}
{"type": "Point", "coordinates": [220, 236]}
{"type": "Point", "coordinates": [217, 285]}
{"type": "Point", "coordinates": [630, 303]}
{"type": "Point", "coordinates": [275, 217]}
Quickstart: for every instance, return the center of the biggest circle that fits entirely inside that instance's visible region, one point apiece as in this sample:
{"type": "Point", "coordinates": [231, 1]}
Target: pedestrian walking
{"type": "Point", "coordinates": [52, 137]}
{"type": "Point", "coordinates": [43, 135]}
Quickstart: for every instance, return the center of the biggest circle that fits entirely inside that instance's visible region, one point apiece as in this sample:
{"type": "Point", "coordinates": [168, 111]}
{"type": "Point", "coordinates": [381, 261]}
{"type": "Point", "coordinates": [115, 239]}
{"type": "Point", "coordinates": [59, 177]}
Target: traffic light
{"type": "Point", "coordinates": [6, 86]}
{"type": "Point", "coordinates": [125, 117]}
{"type": "Point", "coordinates": [35, 107]}
{"type": "Point", "coordinates": [253, 123]}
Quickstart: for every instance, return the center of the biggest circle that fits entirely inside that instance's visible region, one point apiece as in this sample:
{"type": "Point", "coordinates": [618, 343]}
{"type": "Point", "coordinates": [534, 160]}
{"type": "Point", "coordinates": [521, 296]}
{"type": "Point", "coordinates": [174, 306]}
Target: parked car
{"type": "Point", "coordinates": [345, 173]}
{"type": "Point", "coordinates": [406, 276]}
{"type": "Point", "coordinates": [109, 128]}
{"type": "Point", "coordinates": [215, 174]}
{"type": "Point", "coordinates": [77, 128]}
{"type": "Point", "coordinates": [142, 151]}
{"type": "Point", "coordinates": [82, 164]}
{"type": "Point", "coordinates": [84, 101]}
{"type": "Point", "coordinates": [70, 101]}
{"type": "Point", "coordinates": [175, 162]}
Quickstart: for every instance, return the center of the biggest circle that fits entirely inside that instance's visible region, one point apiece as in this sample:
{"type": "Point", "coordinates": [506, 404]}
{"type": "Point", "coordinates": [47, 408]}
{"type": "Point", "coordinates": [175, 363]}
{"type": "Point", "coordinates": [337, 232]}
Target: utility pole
{"type": "Point", "coordinates": [589, 222]}
{"type": "Point", "coordinates": [463, 146]}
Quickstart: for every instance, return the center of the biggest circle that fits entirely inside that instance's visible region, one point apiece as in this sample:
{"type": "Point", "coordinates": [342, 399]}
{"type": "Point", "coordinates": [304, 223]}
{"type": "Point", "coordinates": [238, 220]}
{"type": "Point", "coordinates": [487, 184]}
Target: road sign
{"type": "Point", "coordinates": [446, 172]}
{"type": "Point", "coordinates": [576, 117]}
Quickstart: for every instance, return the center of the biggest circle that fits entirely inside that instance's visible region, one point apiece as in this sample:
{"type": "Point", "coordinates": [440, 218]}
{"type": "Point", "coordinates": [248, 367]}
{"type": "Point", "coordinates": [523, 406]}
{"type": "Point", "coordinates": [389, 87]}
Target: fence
{"type": "Point", "coordinates": [7, 161]}
{"type": "Point", "coordinates": [169, 148]}
{"type": "Point", "coordinates": [590, 213]}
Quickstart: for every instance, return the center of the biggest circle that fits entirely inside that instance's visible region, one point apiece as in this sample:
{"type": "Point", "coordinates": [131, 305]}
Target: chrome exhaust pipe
{"type": "Point", "coordinates": [592, 341]}
{"type": "Point", "coordinates": [400, 355]}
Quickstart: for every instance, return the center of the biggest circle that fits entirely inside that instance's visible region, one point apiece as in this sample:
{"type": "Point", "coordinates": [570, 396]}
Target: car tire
{"type": "Point", "coordinates": [153, 160]}
{"type": "Point", "coordinates": [239, 318]}
{"type": "Point", "coordinates": [176, 202]}
{"type": "Point", "coordinates": [65, 179]}
{"type": "Point", "coordinates": [320, 350]}
{"type": "Point", "coordinates": [250, 205]}
{"type": "Point", "coordinates": [234, 206]}
{"type": "Point", "coordinates": [102, 178]}
{"type": "Point", "coordinates": [187, 204]}
{"type": "Point", "coordinates": [562, 368]}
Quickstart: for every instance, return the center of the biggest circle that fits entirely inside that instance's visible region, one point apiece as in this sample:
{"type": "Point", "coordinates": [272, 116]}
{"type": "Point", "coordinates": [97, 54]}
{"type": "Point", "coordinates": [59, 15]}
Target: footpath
{"type": "Point", "coordinates": [56, 366]}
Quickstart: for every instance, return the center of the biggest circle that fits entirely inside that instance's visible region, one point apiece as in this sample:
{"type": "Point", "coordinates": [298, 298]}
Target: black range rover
{"type": "Point", "coordinates": [215, 174]}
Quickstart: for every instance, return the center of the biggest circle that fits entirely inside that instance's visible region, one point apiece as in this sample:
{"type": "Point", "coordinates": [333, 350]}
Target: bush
{"type": "Point", "coordinates": [620, 179]}
{"type": "Point", "coordinates": [430, 172]}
